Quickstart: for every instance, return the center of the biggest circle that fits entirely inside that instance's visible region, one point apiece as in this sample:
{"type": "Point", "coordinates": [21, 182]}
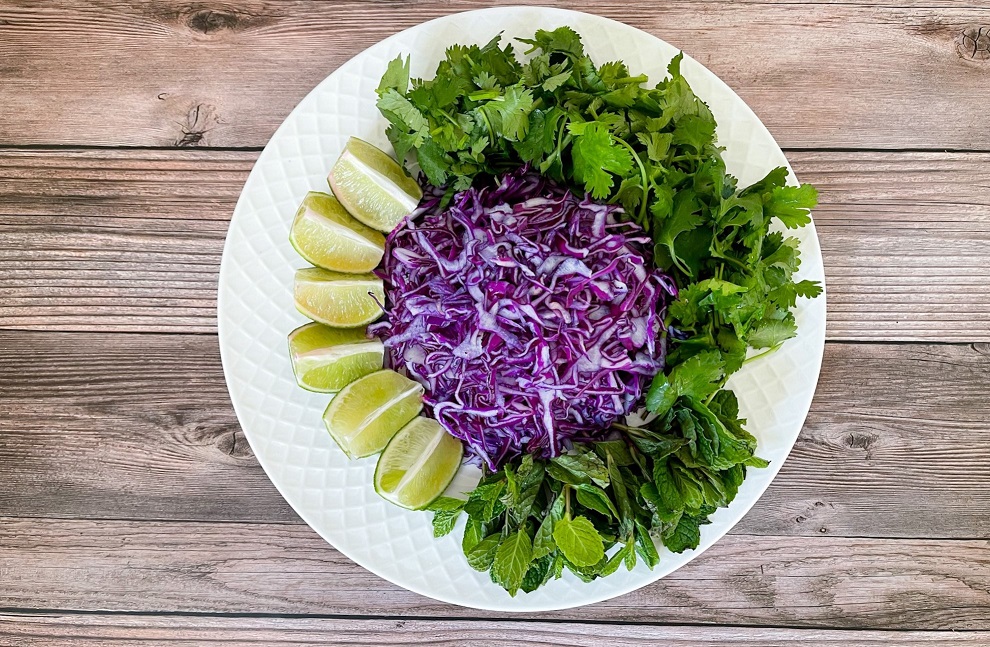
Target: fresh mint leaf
{"type": "Point", "coordinates": [512, 560]}
{"type": "Point", "coordinates": [537, 574]}
{"type": "Point", "coordinates": [686, 535]}
{"type": "Point", "coordinates": [613, 563]}
{"type": "Point", "coordinates": [446, 503]}
{"type": "Point", "coordinates": [595, 498]}
{"type": "Point", "coordinates": [474, 532]}
{"type": "Point", "coordinates": [543, 543]}
{"type": "Point", "coordinates": [481, 556]}
{"type": "Point", "coordinates": [579, 541]}
{"type": "Point", "coordinates": [444, 521]}
{"type": "Point", "coordinates": [523, 486]}
{"type": "Point", "coordinates": [484, 502]}
{"type": "Point", "coordinates": [446, 510]}
{"type": "Point", "coordinates": [578, 468]}
{"type": "Point", "coordinates": [645, 546]}
{"type": "Point", "coordinates": [623, 504]}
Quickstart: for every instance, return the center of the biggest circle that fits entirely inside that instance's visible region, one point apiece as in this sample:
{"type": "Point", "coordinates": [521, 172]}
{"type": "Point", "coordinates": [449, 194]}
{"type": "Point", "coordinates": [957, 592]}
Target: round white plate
{"type": "Point", "coordinates": [283, 423]}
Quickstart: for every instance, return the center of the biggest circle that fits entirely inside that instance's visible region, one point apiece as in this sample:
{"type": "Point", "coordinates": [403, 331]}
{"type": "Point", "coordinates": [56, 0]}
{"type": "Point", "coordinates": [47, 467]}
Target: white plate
{"type": "Point", "coordinates": [282, 422]}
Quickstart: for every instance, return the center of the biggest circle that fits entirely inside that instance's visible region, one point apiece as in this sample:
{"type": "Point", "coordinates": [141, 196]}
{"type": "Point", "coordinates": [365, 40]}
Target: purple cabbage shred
{"type": "Point", "coordinates": [531, 316]}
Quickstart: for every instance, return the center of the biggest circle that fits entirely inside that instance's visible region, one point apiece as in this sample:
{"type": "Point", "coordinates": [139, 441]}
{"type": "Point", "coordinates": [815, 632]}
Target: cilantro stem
{"type": "Point", "coordinates": [491, 131]}
{"type": "Point", "coordinates": [739, 266]}
{"type": "Point", "coordinates": [711, 397]}
{"type": "Point", "coordinates": [646, 185]}
{"type": "Point", "coordinates": [763, 354]}
{"type": "Point", "coordinates": [642, 78]}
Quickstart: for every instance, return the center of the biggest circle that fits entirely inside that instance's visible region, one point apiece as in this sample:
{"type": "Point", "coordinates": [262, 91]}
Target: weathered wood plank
{"type": "Point", "coordinates": [131, 240]}
{"type": "Point", "coordinates": [226, 74]}
{"type": "Point", "coordinates": [262, 568]}
{"type": "Point", "coordinates": [895, 444]}
{"type": "Point", "coordinates": [126, 240]}
{"type": "Point", "coordinates": [99, 630]}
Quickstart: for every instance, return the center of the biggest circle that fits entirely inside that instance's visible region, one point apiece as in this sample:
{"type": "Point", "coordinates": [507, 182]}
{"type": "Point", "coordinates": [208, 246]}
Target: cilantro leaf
{"type": "Point", "coordinates": [396, 76]}
{"type": "Point", "coordinates": [399, 109]}
{"type": "Point", "coordinates": [563, 39]}
{"type": "Point", "coordinates": [792, 204]}
{"type": "Point", "coordinates": [595, 154]}
{"type": "Point", "coordinates": [434, 162]}
{"type": "Point", "coordinates": [769, 333]}
{"type": "Point", "coordinates": [508, 114]}
{"type": "Point", "coordinates": [808, 289]}
{"type": "Point", "coordinates": [697, 377]}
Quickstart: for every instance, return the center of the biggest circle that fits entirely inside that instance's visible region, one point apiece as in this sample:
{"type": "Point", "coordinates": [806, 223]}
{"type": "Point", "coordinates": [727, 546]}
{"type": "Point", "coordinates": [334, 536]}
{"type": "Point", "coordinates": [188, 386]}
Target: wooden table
{"type": "Point", "coordinates": [131, 508]}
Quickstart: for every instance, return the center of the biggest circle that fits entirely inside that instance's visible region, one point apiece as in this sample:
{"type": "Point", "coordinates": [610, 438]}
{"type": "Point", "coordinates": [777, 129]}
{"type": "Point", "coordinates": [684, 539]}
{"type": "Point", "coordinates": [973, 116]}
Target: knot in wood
{"type": "Point", "coordinates": [207, 21]}
{"type": "Point", "coordinates": [974, 44]}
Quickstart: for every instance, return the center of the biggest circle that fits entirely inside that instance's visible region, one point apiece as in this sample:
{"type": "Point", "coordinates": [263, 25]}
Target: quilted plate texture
{"type": "Point", "coordinates": [282, 422]}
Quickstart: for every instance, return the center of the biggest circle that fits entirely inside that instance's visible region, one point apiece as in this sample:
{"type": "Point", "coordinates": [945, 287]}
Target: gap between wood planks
{"type": "Point", "coordinates": [121, 629]}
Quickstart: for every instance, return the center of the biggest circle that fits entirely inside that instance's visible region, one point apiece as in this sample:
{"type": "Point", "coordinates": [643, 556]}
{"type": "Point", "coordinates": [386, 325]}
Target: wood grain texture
{"type": "Point", "coordinates": [94, 424]}
{"type": "Point", "coordinates": [263, 569]}
{"type": "Point", "coordinates": [131, 240]}
{"type": "Point", "coordinates": [126, 240]}
{"type": "Point", "coordinates": [217, 73]}
{"type": "Point", "coordinates": [99, 630]}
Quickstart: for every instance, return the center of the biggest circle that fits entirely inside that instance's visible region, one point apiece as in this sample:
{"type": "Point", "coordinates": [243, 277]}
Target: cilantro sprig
{"type": "Point", "coordinates": [654, 151]}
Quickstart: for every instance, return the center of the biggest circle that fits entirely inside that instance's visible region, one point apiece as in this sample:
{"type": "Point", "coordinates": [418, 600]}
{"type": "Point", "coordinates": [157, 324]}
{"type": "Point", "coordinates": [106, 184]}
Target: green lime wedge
{"type": "Point", "coordinates": [364, 416]}
{"type": "Point", "coordinates": [336, 299]}
{"type": "Point", "coordinates": [327, 359]}
{"type": "Point", "coordinates": [327, 236]}
{"type": "Point", "coordinates": [418, 464]}
{"type": "Point", "coordinates": [373, 186]}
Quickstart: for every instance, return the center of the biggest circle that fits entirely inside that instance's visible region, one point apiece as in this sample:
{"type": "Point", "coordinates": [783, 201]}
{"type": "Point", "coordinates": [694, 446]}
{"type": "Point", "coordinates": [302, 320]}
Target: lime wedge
{"type": "Point", "coordinates": [338, 300]}
{"type": "Point", "coordinates": [326, 235]}
{"type": "Point", "coordinates": [372, 186]}
{"type": "Point", "coordinates": [418, 464]}
{"type": "Point", "coordinates": [327, 359]}
{"type": "Point", "coordinates": [364, 416]}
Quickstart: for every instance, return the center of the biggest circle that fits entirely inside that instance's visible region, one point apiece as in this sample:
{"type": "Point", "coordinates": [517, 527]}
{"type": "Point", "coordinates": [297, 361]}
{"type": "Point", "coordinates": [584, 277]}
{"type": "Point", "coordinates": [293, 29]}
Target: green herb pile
{"type": "Point", "coordinates": [601, 130]}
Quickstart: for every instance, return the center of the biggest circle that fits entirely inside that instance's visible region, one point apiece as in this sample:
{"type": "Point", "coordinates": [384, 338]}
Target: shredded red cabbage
{"type": "Point", "coordinates": [530, 316]}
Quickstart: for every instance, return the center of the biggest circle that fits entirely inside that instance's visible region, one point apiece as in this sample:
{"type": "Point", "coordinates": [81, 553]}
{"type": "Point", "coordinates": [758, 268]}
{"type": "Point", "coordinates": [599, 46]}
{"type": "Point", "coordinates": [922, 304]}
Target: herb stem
{"type": "Point", "coordinates": [567, 501]}
{"type": "Point", "coordinates": [739, 266]}
{"type": "Point", "coordinates": [763, 354]}
{"type": "Point", "coordinates": [646, 186]}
